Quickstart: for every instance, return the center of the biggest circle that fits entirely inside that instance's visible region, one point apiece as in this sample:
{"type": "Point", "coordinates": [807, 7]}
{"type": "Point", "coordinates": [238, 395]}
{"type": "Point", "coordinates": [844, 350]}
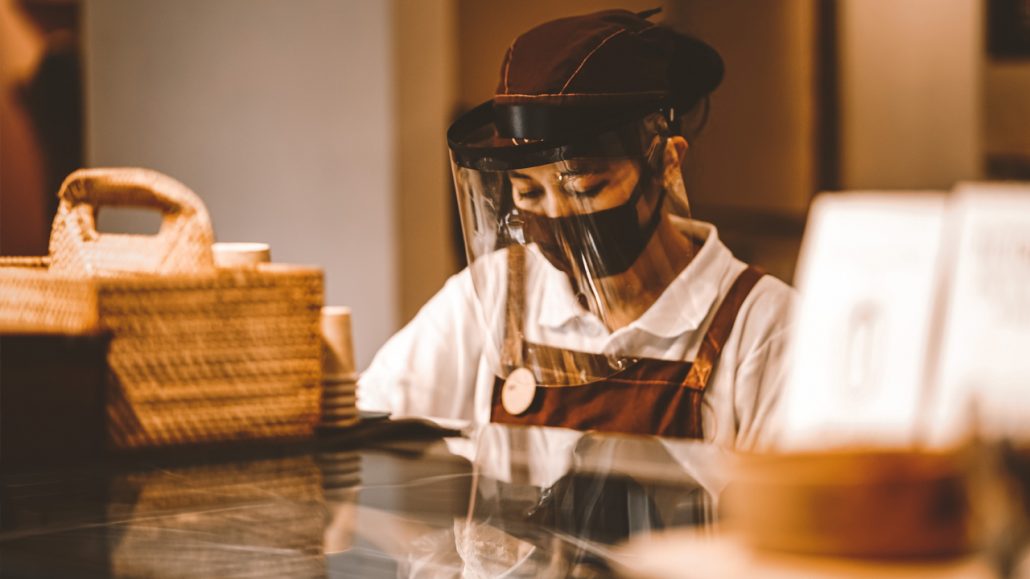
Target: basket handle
{"type": "Point", "coordinates": [182, 245]}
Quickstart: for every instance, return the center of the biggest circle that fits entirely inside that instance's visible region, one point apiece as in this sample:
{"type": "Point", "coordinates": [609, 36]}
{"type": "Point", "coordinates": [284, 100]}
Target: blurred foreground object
{"type": "Point", "coordinates": [853, 504]}
{"type": "Point", "coordinates": [198, 353]}
{"type": "Point", "coordinates": [909, 366]}
{"type": "Point", "coordinates": [686, 554]}
{"type": "Point", "coordinates": [51, 398]}
{"type": "Point", "coordinates": [867, 276]}
{"type": "Point", "coordinates": [984, 366]}
{"type": "Point", "coordinates": [23, 171]}
{"type": "Point", "coordinates": [914, 321]}
{"type": "Point", "coordinates": [984, 369]}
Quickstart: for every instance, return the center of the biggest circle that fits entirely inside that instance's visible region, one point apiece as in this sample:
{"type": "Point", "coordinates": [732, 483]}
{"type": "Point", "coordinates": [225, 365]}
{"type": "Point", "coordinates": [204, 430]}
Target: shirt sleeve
{"type": "Point", "coordinates": [429, 368]}
{"type": "Point", "coordinates": [763, 370]}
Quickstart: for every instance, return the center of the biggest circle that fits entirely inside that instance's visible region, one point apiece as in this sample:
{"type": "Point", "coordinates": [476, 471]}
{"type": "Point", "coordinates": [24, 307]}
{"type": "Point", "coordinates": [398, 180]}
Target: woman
{"type": "Point", "coordinates": [592, 300]}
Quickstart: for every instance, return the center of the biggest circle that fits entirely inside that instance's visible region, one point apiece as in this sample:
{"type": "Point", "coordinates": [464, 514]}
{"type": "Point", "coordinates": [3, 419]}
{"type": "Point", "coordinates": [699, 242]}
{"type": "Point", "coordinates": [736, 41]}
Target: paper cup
{"type": "Point", "coordinates": [337, 345]}
{"type": "Point", "coordinates": [241, 254]}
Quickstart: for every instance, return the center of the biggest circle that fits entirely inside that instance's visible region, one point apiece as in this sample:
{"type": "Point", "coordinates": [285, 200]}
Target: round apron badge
{"type": "Point", "coordinates": [518, 391]}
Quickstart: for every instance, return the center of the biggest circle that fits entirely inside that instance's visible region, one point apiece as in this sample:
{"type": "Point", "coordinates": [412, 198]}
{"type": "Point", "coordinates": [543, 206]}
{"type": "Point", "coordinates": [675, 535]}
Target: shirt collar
{"type": "Point", "coordinates": [689, 298]}
{"type": "Point", "coordinates": [681, 307]}
{"type": "Point", "coordinates": [559, 305]}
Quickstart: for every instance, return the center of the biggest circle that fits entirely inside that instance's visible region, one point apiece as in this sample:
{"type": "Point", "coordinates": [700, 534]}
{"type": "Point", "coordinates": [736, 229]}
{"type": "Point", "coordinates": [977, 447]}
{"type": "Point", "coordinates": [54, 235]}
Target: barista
{"type": "Point", "coordinates": [592, 300]}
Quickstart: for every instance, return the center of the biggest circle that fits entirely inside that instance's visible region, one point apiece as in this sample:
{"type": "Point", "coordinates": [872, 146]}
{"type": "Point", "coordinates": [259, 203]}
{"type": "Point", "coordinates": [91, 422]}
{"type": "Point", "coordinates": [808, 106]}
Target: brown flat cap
{"type": "Point", "coordinates": [597, 64]}
{"type": "Point", "coordinates": [582, 86]}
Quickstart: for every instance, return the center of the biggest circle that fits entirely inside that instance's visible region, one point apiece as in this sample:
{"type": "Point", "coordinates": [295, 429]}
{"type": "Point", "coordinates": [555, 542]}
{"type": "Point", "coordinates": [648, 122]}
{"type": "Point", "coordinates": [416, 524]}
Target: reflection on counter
{"type": "Point", "coordinates": [196, 521]}
{"type": "Point", "coordinates": [256, 518]}
{"type": "Point", "coordinates": [501, 501]}
{"type": "Point", "coordinates": [549, 502]}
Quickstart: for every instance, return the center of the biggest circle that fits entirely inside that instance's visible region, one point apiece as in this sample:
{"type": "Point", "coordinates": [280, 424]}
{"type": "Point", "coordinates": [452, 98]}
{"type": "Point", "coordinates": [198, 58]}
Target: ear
{"type": "Point", "coordinates": [672, 175]}
{"type": "Point", "coordinates": [675, 151]}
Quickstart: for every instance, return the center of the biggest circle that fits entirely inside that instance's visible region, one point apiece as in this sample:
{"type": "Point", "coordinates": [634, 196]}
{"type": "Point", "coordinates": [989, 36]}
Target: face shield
{"type": "Point", "coordinates": [559, 232]}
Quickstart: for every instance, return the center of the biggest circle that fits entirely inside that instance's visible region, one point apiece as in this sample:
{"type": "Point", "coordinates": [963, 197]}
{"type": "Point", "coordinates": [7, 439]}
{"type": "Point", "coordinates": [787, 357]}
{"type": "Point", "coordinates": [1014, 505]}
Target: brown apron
{"type": "Point", "coordinates": [649, 397]}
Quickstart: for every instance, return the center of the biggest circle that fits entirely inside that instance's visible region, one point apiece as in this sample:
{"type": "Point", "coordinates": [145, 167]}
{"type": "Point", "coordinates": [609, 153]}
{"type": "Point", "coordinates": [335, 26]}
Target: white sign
{"type": "Point", "coordinates": [868, 276]}
{"type": "Point", "coordinates": [983, 376]}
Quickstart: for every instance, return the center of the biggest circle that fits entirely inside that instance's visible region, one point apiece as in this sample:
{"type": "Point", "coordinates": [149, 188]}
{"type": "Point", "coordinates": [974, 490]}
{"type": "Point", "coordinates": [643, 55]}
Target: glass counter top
{"type": "Point", "coordinates": [393, 499]}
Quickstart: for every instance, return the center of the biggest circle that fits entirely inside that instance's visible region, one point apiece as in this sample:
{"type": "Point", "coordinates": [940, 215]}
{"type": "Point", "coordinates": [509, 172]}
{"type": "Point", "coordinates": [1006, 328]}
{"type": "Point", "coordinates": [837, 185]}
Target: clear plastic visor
{"type": "Point", "coordinates": [566, 254]}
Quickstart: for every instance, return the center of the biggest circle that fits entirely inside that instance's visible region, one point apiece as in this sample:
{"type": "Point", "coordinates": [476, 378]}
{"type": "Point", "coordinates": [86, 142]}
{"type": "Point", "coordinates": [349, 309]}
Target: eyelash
{"type": "Point", "coordinates": [591, 192]}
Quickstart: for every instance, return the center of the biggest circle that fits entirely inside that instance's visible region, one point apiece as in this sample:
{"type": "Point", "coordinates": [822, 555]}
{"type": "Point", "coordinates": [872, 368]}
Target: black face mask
{"type": "Point", "coordinates": [602, 243]}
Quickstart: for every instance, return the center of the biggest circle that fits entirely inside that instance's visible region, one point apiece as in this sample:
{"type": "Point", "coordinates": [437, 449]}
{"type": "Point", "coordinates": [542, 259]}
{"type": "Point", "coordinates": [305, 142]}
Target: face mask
{"type": "Point", "coordinates": [599, 244]}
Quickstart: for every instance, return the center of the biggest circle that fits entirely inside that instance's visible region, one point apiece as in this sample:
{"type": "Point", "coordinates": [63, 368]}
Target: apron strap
{"type": "Point", "coordinates": [515, 305]}
{"type": "Point", "coordinates": [720, 328]}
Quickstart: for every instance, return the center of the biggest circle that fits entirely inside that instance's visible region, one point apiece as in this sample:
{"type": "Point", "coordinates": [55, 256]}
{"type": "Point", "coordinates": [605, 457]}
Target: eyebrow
{"type": "Point", "coordinates": [517, 175]}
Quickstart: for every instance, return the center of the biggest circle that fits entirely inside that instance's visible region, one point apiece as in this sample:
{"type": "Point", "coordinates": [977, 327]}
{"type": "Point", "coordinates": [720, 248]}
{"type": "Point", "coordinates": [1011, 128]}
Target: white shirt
{"type": "Point", "coordinates": [437, 366]}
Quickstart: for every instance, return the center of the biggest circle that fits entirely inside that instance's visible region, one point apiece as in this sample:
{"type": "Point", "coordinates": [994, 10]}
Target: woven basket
{"type": "Point", "coordinates": [198, 354]}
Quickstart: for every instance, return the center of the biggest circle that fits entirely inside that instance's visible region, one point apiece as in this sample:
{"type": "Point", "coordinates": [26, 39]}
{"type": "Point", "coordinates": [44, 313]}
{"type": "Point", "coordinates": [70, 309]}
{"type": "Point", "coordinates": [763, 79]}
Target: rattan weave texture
{"type": "Point", "coordinates": [198, 354]}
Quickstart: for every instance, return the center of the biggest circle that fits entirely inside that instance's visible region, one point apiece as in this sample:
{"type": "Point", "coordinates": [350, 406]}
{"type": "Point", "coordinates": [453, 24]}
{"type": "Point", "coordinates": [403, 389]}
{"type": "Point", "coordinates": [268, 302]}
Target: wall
{"type": "Point", "coordinates": [910, 93]}
{"type": "Point", "coordinates": [279, 114]}
{"type": "Point", "coordinates": [1006, 85]}
{"type": "Point", "coordinates": [757, 151]}
{"type": "Point", "coordinates": [1007, 109]}
{"type": "Point", "coordinates": [425, 77]}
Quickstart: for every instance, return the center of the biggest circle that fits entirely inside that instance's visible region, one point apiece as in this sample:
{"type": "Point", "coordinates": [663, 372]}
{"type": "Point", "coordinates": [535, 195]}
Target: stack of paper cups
{"type": "Point", "coordinates": [339, 379]}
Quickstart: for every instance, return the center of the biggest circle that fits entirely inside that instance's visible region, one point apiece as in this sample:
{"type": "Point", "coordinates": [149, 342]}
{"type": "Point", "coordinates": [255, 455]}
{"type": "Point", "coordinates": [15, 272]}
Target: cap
{"type": "Point", "coordinates": [571, 72]}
